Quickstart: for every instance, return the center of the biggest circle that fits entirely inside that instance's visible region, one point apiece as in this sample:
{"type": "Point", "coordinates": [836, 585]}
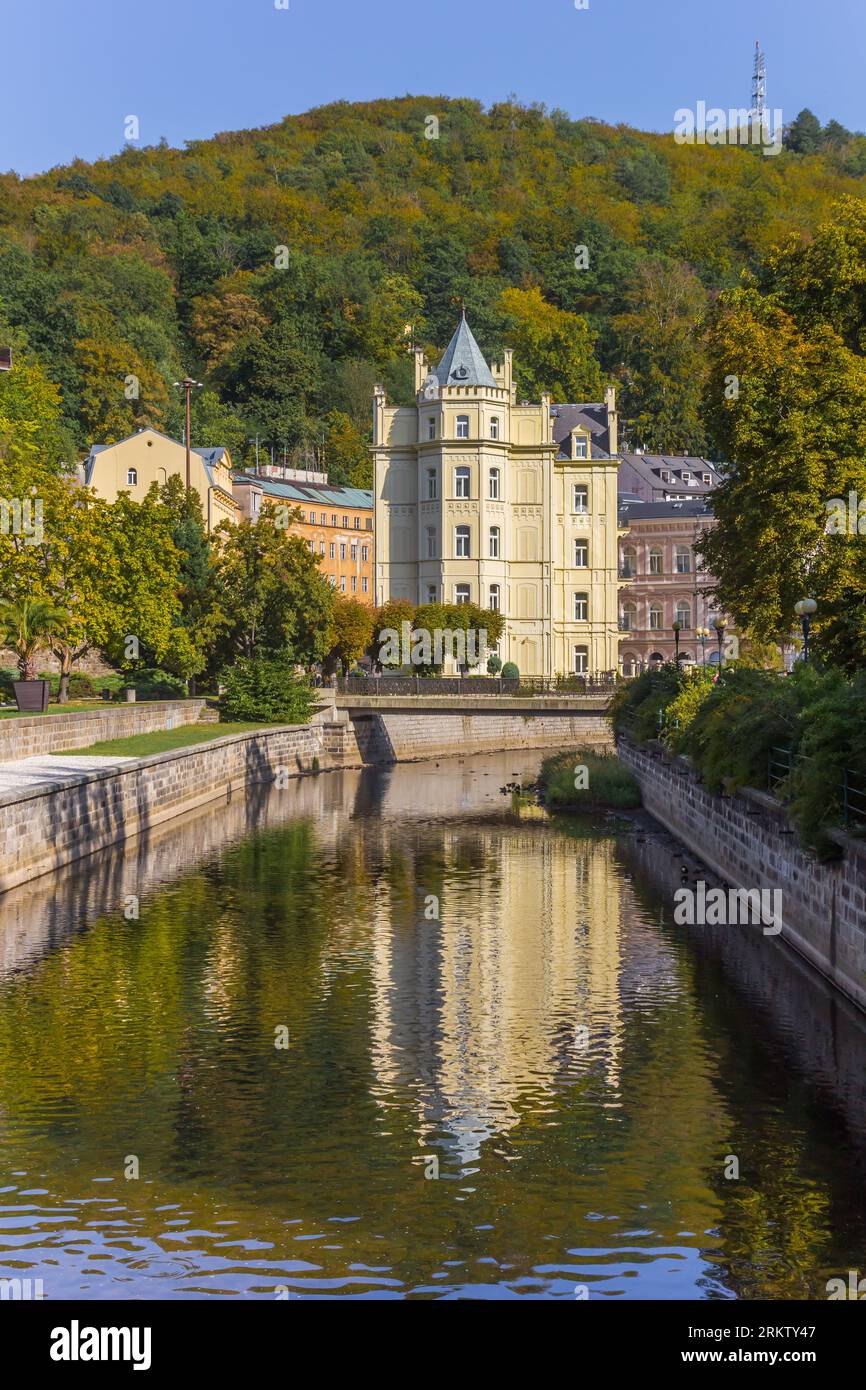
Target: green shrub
{"type": "Point", "coordinates": [81, 686]}
{"type": "Point", "coordinates": [150, 683]}
{"type": "Point", "coordinates": [637, 704]}
{"type": "Point", "coordinates": [510, 672]}
{"type": "Point", "coordinates": [265, 688]}
{"type": "Point", "coordinates": [682, 710]}
{"type": "Point", "coordinates": [7, 676]}
{"type": "Point", "coordinates": [746, 714]}
{"type": "Point", "coordinates": [494, 665]}
{"type": "Point", "coordinates": [609, 782]}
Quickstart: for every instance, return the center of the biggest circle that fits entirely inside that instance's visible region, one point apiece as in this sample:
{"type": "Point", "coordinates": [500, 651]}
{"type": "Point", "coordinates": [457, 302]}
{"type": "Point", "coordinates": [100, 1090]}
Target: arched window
{"type": "Point", "coordinates": [656, 659]}
{"type": "Point", "coordinates": [682, 559]}
{"type": "Point", "coordinates": [628, 621]}
{"type": "Point", "coordinates": [131, 477]}
{"type": "Point", "coordinates": [684, 612]}
{"type": "Point", "coordinates": [461, 482]}
{"type": "Point", "coordinates": [630, 664]}
{"type": "Point", "coordinates": [462, 426]}
{"type": "Point", "coordinates": [494, 427]}
{"type": "Point", "coordinates": [462, 539]}
{"type": "Point", "coordinates": [494, 597]}
{"type": "Point", "coordinates": [493, 485]}
{"type": "Point", "coordinates": [581, 608]}
{"type": "Point", "coordinates": [655, 617]}
{"type": "Point", "coordinates": [494, 542]}
{"type": "Point", "coordinates": [656, 560]}
{"type": "Point", "coordinates": [628, 567]}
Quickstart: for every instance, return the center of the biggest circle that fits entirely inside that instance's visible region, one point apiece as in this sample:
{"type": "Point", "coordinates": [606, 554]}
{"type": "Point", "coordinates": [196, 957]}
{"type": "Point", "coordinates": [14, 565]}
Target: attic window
{"type": "Point", "coordinates": [131, 477]}
{"type": "Point", "coordinates": [579, 447]}
{"type": "Point", "coordinates": [666, 477]}
{"type": "Point", "coordinates": [708, 478]}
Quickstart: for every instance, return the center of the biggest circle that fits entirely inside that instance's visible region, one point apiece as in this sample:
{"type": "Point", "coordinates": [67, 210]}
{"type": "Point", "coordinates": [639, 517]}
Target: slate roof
{"type": "Point", "coordinates": [591, 415]}
{"type": "Point", "coordinates": [653, 511]}
{"type": "Point", "coordinates": [463, 363]}
{"type": "Point", "coordinates": [647, 470]}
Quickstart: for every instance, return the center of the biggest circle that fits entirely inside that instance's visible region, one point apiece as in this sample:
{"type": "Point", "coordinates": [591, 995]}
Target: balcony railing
{"type": "Point", "coordinates": [588, 683]}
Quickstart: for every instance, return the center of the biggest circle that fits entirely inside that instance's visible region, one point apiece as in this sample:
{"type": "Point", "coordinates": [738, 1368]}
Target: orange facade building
{"type": "Point", "coordinates": [335, 522]}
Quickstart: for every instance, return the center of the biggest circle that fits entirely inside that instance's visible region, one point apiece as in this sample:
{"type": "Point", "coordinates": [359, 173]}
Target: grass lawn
{"type": "Point", "coordinates": [73, 707]}
{"type": "Point", "coordinates": [162, 741]}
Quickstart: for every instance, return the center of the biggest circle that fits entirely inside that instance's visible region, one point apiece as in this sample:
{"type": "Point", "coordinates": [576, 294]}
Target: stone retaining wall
{"type": "Point", "coordinates": [28, 736]}
{"type": "Point", "coordinates": [408, 736]}
{"type": "Point", "coordinates": [47, 827]}
{"type": "Point", "coordinates": [747, 841]}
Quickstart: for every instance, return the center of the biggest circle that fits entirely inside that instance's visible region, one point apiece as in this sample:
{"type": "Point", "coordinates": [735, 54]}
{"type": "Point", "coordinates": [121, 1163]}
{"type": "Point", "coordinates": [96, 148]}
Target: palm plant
{"type": "Point", "coordinates": [25, 626]}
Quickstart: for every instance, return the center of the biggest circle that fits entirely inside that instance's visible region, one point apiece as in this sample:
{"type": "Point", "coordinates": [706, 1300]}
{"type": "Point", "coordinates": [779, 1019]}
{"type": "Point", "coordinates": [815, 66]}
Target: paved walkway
{"type": "Point", "coordinates": [28, 773]}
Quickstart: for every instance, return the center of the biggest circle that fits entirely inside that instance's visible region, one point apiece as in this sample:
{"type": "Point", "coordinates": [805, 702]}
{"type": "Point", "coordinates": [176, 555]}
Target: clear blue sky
{"type": "Point", "coordinates": [72, 70]}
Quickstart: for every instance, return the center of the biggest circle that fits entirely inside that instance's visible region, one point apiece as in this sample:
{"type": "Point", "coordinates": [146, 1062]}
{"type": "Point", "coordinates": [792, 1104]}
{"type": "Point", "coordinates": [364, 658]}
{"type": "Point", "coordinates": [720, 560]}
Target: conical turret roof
{"type": "Point", "coordinates": [463, 363]}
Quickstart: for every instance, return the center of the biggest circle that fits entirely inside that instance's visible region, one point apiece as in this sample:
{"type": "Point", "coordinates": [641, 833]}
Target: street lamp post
{"type": "Point", "coordinates": [187, 386]}
{"type": "Point", "coordinates": [702, 635]}
{"type": "Point", "coordinates": [719, 624]}
{"type": "Point", "coordinates": [804, 610]}
{"type": "Point", "coordinates": [678, 627]}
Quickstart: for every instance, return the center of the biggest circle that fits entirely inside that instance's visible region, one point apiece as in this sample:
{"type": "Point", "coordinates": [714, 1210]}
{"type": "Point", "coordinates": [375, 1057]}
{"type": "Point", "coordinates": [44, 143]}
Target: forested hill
{"type": "Point", "coordinates": [281, 267]}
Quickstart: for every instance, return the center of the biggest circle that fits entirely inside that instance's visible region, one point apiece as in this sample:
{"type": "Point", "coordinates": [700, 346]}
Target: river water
{"type": "Point", "coordinates": [389, 1034]}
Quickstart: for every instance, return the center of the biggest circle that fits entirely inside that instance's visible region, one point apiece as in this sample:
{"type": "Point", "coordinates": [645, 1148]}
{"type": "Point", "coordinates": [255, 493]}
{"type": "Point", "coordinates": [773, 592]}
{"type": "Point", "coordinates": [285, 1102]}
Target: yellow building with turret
{"type": "Point", "coordinates": [513, 506]}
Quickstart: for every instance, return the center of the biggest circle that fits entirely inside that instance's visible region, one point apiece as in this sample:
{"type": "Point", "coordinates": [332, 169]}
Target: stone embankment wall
{"type": "Point", "coordinates": [28, 736]}
{"type": "Point", "coordinates": [386, 735]}
{"type": "Point", "coordinates": [746, 839]}
{"type": "Point", "coordinates": [51, 825]}
{"type": "Point", "coordinates": [57, 823]}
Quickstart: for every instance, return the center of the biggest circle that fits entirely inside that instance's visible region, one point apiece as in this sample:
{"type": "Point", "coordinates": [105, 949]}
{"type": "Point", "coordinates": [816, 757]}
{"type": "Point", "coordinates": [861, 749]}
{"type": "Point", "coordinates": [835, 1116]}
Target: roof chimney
{"type": "Point", "coordinates": [612, 419]}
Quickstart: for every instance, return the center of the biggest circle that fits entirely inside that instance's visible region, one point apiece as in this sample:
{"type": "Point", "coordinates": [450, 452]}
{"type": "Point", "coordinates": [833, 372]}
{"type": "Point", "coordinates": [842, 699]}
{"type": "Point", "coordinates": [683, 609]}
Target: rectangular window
{"type": "Point", "coordinates": [462, 542]}
{"type": "Point", "coordinates": [581, 608]}
{"type": "Point", "coordinates": [345, 523]}
{"type": "Point", "coordinates": [364, 585]}
{"type": "Point", "coordinates": [342, 583]}
{"type": "Point", "coordinates": [494, 427]}
{"type": "Point", "coordinates": [342, 550]}
{"type": "Point", "coordinates": [579, 447]}
{"type": "Point", "coordinates": [431, 427]}
{"type": "Point", "coordinates": [463, 594]}
{"type": "Point", "coordinates": [432, 593]}
{"type": "Point", "coordinates": [357, 523]}
{"type": "Point", "coordinates": [431, 542]}
{"type": "Point", "coordinates": [581, 661]}
{"type": "Point", "coordinates": [431, 484]}
{"type": "Point", "coordinates": [581, 554]}
{"type": "Point", "coordinates": [354, 584]}
{"type": "Point", "coordinates": [369, 523]}
{"type": "Point", "coordinates": [461, 482]}
{"type": "Point", "coordinates": [365, 553]}
{"type": "Point", "coordinates": [580, 501]}
{"type": "Point", "coordinates": [332, 550]}
{"type": "Point", "coordinates": [333, 518]}
{"type": "Point", "coordinates": [462, 426]}
{"type": "Point", "coordinates": [321, 547]}
{"type": "Point", "coordinates": [493, 491]}
{"type": "Point", "coordinates": [353, 552]}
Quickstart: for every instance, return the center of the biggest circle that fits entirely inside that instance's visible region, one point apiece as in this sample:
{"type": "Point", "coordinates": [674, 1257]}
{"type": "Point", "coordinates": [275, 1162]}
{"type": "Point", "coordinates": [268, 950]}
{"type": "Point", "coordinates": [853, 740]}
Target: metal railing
{"type": "Point", "coordinates": [590, 684]}
{"type": "Point", "coordinates": [781, 763]}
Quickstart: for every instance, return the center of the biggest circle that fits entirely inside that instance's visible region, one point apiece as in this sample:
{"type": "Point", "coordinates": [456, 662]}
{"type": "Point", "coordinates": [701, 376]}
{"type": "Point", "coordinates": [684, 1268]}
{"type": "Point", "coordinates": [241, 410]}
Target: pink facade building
{"type": "Point", "coordinates": [663, 583]}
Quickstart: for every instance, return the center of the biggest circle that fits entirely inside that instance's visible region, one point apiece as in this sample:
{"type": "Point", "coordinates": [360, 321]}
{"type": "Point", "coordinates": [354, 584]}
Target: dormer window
{"type": "Point", "coordinates": [665, 475]}
{"type": "Point", "coordinates": [462, 426]}
{"type": "Point", "coordinates": [580, 446]}
{"type": "Point", "coordinates": [708, 478]}
{"type": "Point", "coordinates": [131, 477]}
